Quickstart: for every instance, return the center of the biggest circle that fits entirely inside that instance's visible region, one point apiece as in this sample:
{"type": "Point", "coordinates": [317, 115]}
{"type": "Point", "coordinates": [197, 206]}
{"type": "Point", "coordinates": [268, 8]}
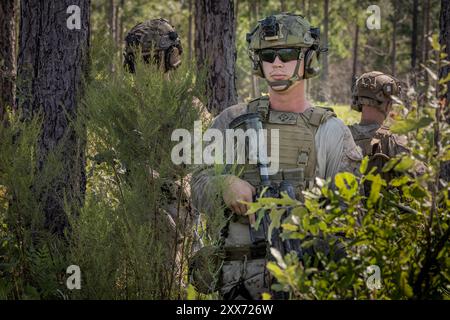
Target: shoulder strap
{"type": "Point", "coordinates": [260, 105]}
{"type": "Point", "coordinates": [315, 116]}
{"type": "Point", "coordinates": [319, 115]}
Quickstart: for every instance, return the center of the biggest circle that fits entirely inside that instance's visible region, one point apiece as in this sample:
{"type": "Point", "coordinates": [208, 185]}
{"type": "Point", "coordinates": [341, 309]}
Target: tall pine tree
{"type": "Point", "coordinates": [52, 62]}
{"type": "Point", "coordinates": [215, 50]}
{"type": "Point", "coordinates": [7, 54]}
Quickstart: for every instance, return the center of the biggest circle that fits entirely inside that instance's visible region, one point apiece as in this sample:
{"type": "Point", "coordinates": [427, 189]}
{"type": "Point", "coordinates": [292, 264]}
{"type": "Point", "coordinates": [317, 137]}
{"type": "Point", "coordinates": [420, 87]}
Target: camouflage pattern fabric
{"type": "Point", "coordinates": [157, 42]}
{"type": "Point", "coordinates": [289, 30]}
{"type": "Point", "coordinates": [380, 145]}
{"type": "Point", "coordinates": [374, 89]}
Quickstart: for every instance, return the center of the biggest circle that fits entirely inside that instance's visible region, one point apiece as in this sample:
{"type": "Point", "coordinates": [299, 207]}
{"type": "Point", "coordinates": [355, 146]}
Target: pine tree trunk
{"type": "Point", "coordinates": [414, 35]}
{"type": "Point", "coordinates": [112, 14]}
{"type": "Point", "coordinates": [355, 52]}
{"type": "Point", "coordinates": [324, 76]}
{"type": "Point", "coordinates": [117, 25]}
{"type": "Point", "coordinates": [120, 26]}
{"type": "Point", "coordinates": [394, 41]}
{"type": "Point", "coordinates": [426, 43]}
{"type": "Point", "coordinates": [215, 49]}
{"type": "Point", "coordinates": [190, 31]}
{"type": "Point", "coordinates": [283, 6]}
{"type": "Point", "coordinates": [423, 32]}
{"type": "Point", "coordinates": [236, 13]}
{"type": "Point", "coordinates": [444, 39]}
{"type": "Point", "coordinates": [8, 10]}
{"type": "Point", "coordinates": [254, 19]}
{"type": "Point", "coordinates": [52, 63]}
{"type": "Point", "coordinates": [112, 18]}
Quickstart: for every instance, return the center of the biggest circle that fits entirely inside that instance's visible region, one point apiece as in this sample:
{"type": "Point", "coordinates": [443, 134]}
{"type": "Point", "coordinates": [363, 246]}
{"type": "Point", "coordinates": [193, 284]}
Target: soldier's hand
{"type": "Point", "coordinates": [237, 190]}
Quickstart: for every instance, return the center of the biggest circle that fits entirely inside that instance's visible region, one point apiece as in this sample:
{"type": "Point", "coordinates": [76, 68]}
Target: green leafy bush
{"type": "Point", "coordinates": [123, 238]}
{"type": "Point", "coordinates": [401, 228]}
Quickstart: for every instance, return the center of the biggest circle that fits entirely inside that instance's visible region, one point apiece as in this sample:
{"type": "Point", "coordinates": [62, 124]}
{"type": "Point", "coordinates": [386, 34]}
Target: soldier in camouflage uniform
{"type": "Point", "coordinates": [372, 96]}
{"type": "Point", "coordinates": [157, 41]}
{"type": "Point", "coordinates": [313, 143]}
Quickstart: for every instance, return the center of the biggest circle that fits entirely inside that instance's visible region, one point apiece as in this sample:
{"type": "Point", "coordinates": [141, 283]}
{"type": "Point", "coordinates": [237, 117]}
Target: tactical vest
{"type": "Point", "coordinates": [364, 138]}
{"type": "Point", "coordinates": [297, 150]}
{"type": "Point", "coordinates": [379, 144]}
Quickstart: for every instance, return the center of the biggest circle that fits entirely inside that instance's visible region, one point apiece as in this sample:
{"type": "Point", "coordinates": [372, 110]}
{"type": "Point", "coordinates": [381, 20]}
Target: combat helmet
{"type": "Point", "coordinates": [374, 89]}
{"type": "Point", "coordinates": [157, 41]}
{"type": "Point", "coordinates": [286, 30]}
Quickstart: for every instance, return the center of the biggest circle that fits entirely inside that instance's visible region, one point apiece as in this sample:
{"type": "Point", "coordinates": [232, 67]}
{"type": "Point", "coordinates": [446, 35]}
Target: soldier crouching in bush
{"type": "Point", "coordinates": [156, 41]}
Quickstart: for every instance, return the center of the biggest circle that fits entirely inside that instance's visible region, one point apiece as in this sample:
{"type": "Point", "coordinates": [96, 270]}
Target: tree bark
{"type": "Point", "coordinates": [444, 40]}
{"type": "Point", "coordinates": [190, 30]}
{"type": "Point", "coordinates": [426, 43]}
{"type": "Point", "coordinates": [422, 32]}
{"type": "Point", "coordinates": [8, 10]}
{"type": "Point", "coordinates": [355, 52]}
{"type": "Point", "coordinates": [236, 13]}
{"type": "Point", "coordinates": [112, 20]}
{"type": "Point", "coordinates": [118, 24]}
{"type": "Point", "coordinates": [394, 40]}
{"type": "Point", "coordinates": [112, 14]}
{"type": "Point", "coordinates": [254, 18]}
{"type": "Point", "coordinates": [283, 5]}
{"type": "Point", "coordinates": [52, 63]}
{"type": "Point", "coordinates": [324, 76]}
{"type": "Point", "coordinates": [414, 35]}
{"type": "Point", "coordinates": [215, 49]}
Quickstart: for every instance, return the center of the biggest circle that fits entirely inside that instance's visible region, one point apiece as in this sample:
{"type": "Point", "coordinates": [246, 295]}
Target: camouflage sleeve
{"type": "Point", "coordinates": [206, 182]}
{"type": "Point", "coordinates": [336, 149]}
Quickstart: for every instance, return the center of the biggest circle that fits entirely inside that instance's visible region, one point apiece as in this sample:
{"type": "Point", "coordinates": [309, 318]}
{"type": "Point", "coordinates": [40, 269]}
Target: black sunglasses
{"type": "Point", "coordinates": [285, 54]}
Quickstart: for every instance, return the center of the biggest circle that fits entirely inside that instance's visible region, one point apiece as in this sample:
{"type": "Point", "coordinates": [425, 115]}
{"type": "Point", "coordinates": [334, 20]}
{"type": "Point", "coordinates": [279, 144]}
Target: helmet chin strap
{"type": "Point", "coordinates": [287, 83]}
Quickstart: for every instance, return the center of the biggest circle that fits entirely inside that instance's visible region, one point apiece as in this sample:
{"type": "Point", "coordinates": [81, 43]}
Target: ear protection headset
{"type": "Point", "coordinates": [312, 56]}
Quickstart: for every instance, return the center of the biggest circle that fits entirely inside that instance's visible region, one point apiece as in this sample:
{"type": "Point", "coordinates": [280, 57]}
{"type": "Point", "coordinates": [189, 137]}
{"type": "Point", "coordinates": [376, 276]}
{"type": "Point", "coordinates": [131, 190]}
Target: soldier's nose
{"type": "Point", "coordinates": [277, 62]}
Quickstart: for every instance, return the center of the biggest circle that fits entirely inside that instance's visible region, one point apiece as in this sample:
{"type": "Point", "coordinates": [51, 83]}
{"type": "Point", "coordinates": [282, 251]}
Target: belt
{"type": "Point", "coordinates": [237, 253]}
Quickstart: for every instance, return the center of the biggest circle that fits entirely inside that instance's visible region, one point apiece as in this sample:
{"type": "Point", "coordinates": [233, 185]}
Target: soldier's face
{"type": "Point", "coordinates": [279, 70]}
